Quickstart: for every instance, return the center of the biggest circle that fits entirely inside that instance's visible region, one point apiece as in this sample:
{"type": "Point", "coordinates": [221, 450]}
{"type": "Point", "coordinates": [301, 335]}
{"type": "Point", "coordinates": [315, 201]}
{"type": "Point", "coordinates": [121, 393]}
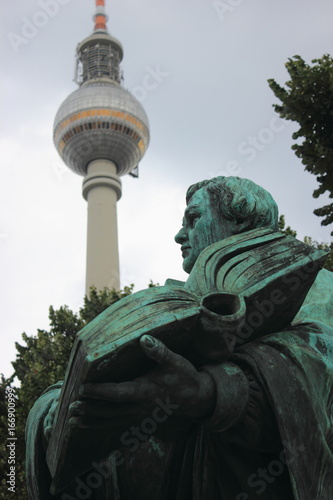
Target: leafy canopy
{"type": "Point", "coordinates": [40, 362]}
{"type": "Point", "coordinates": [307, 99]}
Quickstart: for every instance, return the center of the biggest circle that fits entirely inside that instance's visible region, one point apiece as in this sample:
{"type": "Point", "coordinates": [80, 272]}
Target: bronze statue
{"type": "Point", "coordinates": [245, 417]}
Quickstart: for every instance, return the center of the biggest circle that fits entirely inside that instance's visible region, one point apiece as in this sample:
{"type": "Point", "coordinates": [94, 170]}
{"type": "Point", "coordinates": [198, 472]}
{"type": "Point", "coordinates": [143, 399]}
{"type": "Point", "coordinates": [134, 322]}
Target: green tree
{"type": "Point", "coordinates": [307, 99]}
{"type": "Point", "coordinates": [40, 362]}
{"type": "Point", "coordinates": [286, 230]}
{"type": "Point", "coordinates": [328, 247]}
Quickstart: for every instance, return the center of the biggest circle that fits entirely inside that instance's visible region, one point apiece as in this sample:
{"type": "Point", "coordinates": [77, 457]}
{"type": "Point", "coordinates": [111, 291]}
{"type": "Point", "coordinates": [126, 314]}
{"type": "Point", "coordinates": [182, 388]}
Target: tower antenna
{"type": "Point", "coordinates": [100, 18]}
{"type": "Point", "coordinates": [101, 131]}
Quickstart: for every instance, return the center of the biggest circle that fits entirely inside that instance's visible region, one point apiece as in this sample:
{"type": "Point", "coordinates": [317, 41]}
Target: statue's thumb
{"type": "Point", "coordinates": [154, 349]}
{"type": "Point", "coordinates": [148, 342]}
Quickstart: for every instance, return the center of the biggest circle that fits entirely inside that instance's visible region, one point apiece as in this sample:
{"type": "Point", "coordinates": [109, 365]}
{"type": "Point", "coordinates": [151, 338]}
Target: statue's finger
{"type": "Point", "coordinates": [103, 410]}
{"type": "Point", "coordinates": [47, 432]}
{"type": "Point", "coordinates": [122, 392]}
{"type": "Point", "coordinates": [114, 425]}
{"type": "Point", "coordinates": [157, 351]}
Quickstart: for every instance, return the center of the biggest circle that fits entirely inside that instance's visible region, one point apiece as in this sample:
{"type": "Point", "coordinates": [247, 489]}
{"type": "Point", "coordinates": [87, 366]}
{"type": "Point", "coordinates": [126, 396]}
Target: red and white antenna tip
{"type": "Point", "coordinates": [100, 17]}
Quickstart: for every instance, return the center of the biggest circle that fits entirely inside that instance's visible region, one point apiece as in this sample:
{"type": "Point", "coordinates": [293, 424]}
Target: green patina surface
{"type": "Point", "coordinates": [255, 321]}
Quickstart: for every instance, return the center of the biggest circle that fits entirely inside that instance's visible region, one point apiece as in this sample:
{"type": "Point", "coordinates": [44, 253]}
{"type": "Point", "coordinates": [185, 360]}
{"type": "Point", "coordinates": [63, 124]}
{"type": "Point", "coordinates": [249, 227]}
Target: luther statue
{"type": "Point", "coordinates": [251, 422]}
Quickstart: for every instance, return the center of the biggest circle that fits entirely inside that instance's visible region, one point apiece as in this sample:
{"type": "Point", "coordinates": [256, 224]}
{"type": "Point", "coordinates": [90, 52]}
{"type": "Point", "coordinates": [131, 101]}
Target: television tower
{"type": "Point", "coordinates": [101, 131]}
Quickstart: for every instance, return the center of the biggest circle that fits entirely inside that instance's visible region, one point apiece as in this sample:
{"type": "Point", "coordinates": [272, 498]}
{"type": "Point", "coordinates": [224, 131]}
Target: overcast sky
{"type": "Point", "coordinates": [210, 114]}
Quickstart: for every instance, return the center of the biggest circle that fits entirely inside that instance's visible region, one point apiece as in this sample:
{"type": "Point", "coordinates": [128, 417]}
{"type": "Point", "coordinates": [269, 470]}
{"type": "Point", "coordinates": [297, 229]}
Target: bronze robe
{"type": "Point", "coordinates": [281, 447]}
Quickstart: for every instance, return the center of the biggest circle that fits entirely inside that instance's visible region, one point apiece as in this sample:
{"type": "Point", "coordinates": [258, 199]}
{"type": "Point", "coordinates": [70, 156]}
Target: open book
{"type": "Point", "coordinates": [240, 288]}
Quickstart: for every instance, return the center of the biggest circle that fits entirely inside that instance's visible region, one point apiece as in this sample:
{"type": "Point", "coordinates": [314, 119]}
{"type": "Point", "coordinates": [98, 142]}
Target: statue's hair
{"type": "Point", "coordinates": [240, 200]}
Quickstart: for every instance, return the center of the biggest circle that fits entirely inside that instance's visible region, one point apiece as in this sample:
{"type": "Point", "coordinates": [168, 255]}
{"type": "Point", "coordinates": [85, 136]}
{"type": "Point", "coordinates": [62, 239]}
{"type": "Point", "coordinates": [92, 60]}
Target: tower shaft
{"type": "Point", "coordinates": [102, 190]}
{"type": "Point", "coordinates": [101, 131]}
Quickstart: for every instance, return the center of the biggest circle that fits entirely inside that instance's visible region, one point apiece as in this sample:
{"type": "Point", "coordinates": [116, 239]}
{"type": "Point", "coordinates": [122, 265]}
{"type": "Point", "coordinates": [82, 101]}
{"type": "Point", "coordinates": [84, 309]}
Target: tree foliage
{"type": "Point", "coordinates": [286, 230]}
{"type": "Point", "coordinates": [307, 99]}
{"type": "Point", "coordinates": [40, 362]}
{"type": "Point", "coordinates": [328, 247]}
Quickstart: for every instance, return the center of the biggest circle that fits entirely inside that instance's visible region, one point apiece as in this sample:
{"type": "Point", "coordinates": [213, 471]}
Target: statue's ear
{"type": "Point", "coordinates": [241, 226]}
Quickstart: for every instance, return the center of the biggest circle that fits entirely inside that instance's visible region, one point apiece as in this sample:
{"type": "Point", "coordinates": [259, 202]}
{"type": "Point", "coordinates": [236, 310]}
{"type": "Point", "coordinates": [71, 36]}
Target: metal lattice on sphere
{"type": "Point", "coordinates": [101, 131]}
{"type": "Point", "coordinates": [101, 120]}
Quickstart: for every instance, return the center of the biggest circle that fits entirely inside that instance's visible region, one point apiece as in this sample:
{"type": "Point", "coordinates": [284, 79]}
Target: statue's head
{"type": "Point", "coordinates": [221, 207]}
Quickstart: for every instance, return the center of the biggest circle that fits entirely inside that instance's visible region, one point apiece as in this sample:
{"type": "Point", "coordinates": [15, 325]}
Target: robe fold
{"type": "Point", "coordinates": [280, 447]}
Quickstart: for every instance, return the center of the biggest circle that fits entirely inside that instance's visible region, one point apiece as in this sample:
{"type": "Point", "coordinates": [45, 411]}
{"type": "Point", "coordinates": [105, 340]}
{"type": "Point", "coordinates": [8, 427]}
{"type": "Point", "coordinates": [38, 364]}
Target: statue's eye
{"type": "Point", "coordinates": [193, 218]}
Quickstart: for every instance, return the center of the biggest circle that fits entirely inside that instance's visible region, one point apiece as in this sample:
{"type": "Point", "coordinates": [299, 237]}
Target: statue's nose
{"type": "Point", "coordinates": [181, 236]}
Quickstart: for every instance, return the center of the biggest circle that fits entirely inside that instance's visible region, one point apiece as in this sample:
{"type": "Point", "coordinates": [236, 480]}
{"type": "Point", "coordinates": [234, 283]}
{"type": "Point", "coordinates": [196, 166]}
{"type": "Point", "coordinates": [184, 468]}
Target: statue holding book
{"type": "Point", "coordinates": [216, 388]}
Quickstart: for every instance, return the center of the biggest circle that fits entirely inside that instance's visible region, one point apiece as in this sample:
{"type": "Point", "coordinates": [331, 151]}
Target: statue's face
{"type": "Point", "coordinates": [202, 226]}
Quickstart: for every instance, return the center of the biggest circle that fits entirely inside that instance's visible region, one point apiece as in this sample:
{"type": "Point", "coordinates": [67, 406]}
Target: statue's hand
{"type": "Point", "coordinates": [49, 418]}
{"type": "Point", "coordinates": [188, 392]}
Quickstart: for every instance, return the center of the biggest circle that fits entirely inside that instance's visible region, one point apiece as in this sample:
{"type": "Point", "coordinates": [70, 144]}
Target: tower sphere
{"type": "Point", "coordinates": [101, 119]}
{"type": "Point", "coordinates": [101, 131]}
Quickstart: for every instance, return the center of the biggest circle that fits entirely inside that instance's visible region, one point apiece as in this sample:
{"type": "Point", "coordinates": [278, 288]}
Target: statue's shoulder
{"type": "Point", "coordinates": [326, 278]}
{"type": "Point", "coordinates": [318, 304]}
